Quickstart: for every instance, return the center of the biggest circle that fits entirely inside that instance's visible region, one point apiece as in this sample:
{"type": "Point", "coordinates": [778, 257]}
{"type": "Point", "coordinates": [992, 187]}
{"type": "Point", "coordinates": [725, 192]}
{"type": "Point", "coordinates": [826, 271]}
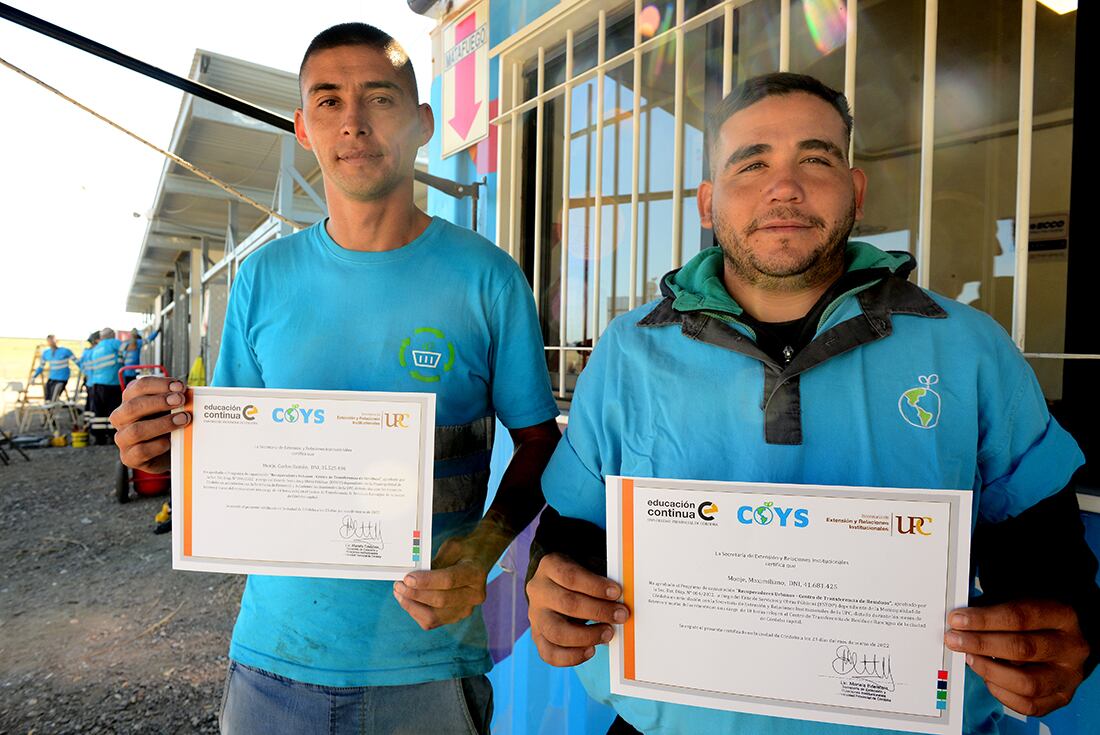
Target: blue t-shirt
{"type": "Point", "coordinates": [653, 402]}
{"type": "Point", "coordinates": [103, 363]}
{"type": "Point", "coordinates": [448, 313]}
{"type": "Point", "coordinates": [57, 360]}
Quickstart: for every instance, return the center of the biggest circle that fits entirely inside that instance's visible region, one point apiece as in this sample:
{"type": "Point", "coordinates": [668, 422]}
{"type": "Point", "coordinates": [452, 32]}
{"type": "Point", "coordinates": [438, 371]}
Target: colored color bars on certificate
{"type": "Point", "coordinates": [416, 545]}
{"type": "Point", "coordinates": [941, 690]}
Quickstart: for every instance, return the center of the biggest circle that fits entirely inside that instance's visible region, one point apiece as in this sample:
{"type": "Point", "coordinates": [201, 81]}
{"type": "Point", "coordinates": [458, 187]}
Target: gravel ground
{"type": "Point", "coordinates": [97, 633]}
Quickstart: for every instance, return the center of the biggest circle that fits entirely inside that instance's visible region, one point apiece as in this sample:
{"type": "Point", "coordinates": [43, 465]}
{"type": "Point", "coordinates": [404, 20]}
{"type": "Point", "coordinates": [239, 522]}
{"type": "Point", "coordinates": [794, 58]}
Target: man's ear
{"type": "Point", "coordinates": [859, 184]}
{"type": "Point", "coordinates": [704, 201]}
{"type": "Point", "coordinates": [427, 122]}
{"type": "Point", "coordinates": [300, 129]}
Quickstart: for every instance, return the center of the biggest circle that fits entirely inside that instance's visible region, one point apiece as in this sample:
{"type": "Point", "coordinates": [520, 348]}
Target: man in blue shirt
{"type": "Point", "coordinates": [104, 390]}
{"type": "Point", "coordinates": [381, 297]}
{"type": "Point", "coordinates": [57, 360]}
{"type": "Point", "coordinates": [790, 355]}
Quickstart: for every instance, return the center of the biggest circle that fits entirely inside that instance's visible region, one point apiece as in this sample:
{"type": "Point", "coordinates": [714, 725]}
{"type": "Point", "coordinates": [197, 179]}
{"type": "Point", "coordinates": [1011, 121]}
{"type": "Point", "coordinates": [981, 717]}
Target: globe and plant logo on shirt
{"type": "Point", "coordinates": [427, 355]}
{"type": "Point", "coordinates": [920, 406]}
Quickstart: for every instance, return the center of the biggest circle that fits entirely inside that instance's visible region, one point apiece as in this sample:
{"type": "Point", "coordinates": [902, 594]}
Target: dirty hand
{"type": "Point", "coordinates": [1031, 653]}
{"type": "Point", "coordinates": [143, 422]}
{"type": "Point", "coordinates": [454, 586]}
{"type": "Point", "coordinates": [563, 597]}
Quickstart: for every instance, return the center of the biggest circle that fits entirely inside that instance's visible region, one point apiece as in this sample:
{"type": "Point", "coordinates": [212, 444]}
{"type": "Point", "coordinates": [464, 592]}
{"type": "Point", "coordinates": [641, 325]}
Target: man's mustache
{"type": "Point", "coordinates": [784, 214]}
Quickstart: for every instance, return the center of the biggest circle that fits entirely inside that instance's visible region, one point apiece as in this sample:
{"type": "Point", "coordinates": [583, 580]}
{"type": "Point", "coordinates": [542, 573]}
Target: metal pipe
{"type": "Point", "coordinates": [927, 144]}
{"type": "Point", "coordinates": [1023, 172]}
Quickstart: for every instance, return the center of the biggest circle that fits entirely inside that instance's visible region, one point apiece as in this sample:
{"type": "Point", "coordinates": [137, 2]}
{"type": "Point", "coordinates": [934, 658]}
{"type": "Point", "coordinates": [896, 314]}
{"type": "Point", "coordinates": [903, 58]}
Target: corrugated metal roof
{"type": "Point", "coordinates": [232, 147]}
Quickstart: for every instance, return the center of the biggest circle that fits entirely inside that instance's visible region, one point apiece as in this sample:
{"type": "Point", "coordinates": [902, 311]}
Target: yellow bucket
{"type": "Point", "coordinates": [80, 438]}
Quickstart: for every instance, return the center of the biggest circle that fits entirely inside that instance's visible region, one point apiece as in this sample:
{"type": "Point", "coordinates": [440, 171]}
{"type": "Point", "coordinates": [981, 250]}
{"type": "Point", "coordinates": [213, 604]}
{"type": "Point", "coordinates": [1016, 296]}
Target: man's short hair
{"type": "Point", "coordinates": [106, 333]}
{"type": "Point", "coordinates": [363, 34]}
{"type": "Point", "coordinates": [93, 337]}
{"type": "Point", "coordinates": [779, 84]}
{"type": "Point", "coordinates": [49, 336]}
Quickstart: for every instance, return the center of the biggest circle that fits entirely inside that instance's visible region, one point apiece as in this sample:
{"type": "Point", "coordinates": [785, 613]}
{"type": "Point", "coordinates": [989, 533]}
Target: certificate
{"type": "Point", "coordinates": [305, 483]}
{"type": "Point", "coordinates": [808, 602]}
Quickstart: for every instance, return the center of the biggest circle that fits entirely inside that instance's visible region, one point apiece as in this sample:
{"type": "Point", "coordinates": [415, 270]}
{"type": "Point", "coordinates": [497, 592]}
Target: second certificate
{"type": "Point", "coordinates": [814, 603]}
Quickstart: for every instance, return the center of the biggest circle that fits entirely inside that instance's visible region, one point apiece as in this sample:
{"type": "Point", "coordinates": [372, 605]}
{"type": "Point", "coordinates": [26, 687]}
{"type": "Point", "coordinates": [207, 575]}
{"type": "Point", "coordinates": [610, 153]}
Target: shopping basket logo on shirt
{"type": "Point", "coordinates": [427, 355]}
{"type": "Point", "coordinates": [920, 407]}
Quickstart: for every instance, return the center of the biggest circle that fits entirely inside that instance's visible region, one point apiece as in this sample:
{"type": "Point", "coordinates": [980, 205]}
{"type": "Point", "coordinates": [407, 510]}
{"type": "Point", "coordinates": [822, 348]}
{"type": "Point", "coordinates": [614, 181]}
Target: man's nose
{"type": "Point", "coordinates": [356, 121]}
{"type": "Point", "coordinates": [786, 187]}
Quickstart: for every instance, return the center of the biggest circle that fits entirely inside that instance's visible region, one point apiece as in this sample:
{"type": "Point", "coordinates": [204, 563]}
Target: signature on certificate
{"type": "Point", "coordinates": [351, 529]}
{"type": "Point", "coordinates": [873, 669]}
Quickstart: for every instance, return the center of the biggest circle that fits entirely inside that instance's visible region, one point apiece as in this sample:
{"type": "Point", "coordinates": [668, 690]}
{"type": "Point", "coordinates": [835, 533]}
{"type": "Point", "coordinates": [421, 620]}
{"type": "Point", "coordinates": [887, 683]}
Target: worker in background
{"type": "Point", "coordinates": [56, 360]}
{"type": "Point", "coordinates": [104, 391]}
{"type": "Point", "coordinates": [82, 363]}
{"type": "Point", "coordinates": [132, 349]}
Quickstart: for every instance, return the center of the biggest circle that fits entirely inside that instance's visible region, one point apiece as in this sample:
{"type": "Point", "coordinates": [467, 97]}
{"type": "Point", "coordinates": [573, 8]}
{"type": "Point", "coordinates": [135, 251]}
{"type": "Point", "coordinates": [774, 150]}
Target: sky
{"type": "Point", "coordinates": [74, 191]}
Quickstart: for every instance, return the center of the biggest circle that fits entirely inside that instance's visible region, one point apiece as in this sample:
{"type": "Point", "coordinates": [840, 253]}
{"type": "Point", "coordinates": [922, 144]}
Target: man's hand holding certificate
{"type": "Point", "coordinates": [816, 603]}
{"type": "Point", "coordinates": [304, 483]}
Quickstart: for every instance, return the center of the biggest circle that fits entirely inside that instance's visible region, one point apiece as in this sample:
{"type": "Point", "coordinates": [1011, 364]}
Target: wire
{"type": "Point", "coordinates": [185, 164]}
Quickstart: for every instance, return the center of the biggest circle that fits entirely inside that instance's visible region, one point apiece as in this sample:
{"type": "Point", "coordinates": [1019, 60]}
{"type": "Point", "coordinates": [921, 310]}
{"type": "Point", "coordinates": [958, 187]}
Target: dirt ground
{"type": "Point", "coordinates": [97, 633]}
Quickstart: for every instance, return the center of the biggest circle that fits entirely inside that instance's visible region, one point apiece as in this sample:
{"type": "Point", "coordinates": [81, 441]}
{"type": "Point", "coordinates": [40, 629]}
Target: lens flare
{"type": "Point", "coordinates": [828, 23]}
{"type": "Point", "coordinates": [649, 20]}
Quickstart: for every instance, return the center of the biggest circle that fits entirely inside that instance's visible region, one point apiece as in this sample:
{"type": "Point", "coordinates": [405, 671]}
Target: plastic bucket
{"type": "Point", "coordinates": [148, 484]}
{"type": "Point", "coordinates": [80, 438]}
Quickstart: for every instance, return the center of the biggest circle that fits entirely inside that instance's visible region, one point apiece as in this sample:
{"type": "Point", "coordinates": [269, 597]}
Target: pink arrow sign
{"type": "Point", "coordinates": [466, 106]}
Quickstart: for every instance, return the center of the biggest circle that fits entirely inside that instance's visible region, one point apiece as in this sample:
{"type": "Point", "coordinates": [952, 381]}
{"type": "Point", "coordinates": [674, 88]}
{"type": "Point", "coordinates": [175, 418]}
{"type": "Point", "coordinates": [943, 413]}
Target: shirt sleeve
{"type": "Point", "coordinates": [520, 384]}
{"type": "Point", "coordinates": [589, 450]}
{"type": "Point", "coordinates": [1024, 455]}
{"type": "Point", "coordinates": [237, 366]}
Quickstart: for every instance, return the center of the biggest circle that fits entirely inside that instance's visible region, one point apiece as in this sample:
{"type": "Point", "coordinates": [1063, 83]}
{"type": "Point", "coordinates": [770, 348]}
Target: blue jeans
{"type": "Point", "coordinates": [260, 703]}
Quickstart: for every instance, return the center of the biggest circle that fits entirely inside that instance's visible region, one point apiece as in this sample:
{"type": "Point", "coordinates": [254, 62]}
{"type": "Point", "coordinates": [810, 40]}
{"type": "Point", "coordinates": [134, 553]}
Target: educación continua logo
{"type": "Point", "coordinates": [920, 406]}
{"type": "Point", "coordinates": [427, 355]}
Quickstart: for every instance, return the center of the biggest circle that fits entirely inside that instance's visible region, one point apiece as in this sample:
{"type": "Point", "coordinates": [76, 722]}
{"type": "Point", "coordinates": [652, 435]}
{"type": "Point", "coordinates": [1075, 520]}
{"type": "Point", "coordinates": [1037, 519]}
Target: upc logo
{"type": "Point", "coordinates": [396, 420]}
{"type": "Point", "coordinates": [913, 525]}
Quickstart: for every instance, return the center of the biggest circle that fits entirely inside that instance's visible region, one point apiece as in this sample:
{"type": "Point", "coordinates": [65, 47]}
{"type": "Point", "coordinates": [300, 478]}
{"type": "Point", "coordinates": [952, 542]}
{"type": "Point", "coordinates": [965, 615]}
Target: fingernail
{"type": "Point", "coordinates": [179, 419]}
{"type": "Point", "coordinates": [176, 386]}
{"type": "Point", "coordinates": [410, 581]}
{"type": "Point", "coordinates": [612, 593]}
{"type": "Point", "coordinates": [969, 659]}
{"type": "Point", "coordinates": [619, 616]}
{"type": "Point", "coordinates": [954, 640]}
{"type": "Point", "coordinates": [589, 652]}
{"type": "Point", "coordinates": [605, 636]}
{"type": "Point", "coordinates": [960, 620]}
{"type": "Point", "coordinates": [174, 399]}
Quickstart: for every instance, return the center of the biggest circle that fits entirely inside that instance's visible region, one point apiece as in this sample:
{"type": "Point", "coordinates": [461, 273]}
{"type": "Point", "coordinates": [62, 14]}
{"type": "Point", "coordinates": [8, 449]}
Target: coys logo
{"type": "Point", "coordinates": [297, 414]}
{"type": "Point", "coordinates": [764, 515]}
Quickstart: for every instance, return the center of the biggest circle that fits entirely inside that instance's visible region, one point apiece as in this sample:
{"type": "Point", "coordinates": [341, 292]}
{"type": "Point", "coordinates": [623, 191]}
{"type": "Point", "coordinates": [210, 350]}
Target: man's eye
{"type": "Point", "coordinates": [756, 165]}
{"type": "Point", "coordinates": [382, 101]}
{"type": "Point", "coordinates": [819, 159]}
{"type": "Point", "coordinates": [327, 103]}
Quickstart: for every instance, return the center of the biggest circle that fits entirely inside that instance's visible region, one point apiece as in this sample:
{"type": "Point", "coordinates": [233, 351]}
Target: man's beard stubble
{"type": "Point", "coordinates": [823, 264]}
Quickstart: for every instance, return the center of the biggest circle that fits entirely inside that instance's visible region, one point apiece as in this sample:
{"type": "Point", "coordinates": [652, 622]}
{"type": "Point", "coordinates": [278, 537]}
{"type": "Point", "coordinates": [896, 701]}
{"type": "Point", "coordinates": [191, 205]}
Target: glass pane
{"type": "Point", "coordinates": [974, 163]}
{"type": "Point", "coordinates": [618, 142]}
{"type": "Point", "coordinates": [551, 240]}
{"type": "Point", "coordinates": [1051, 156]}
{"type": "Point", "coordinates": [620, 37]}
{"type": "Point", "coordinates": [656, 166]}
{"type": "Point", "coordinates": [702, 92]}
{"type": "Point", "coordinates": [580, 236]}
{"type": "Point", "coordinates": [656, 18]}
{"type": "Point", "coordinates": [756, 39]}
{"type": "Point", "coordinates": [889, 64]}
